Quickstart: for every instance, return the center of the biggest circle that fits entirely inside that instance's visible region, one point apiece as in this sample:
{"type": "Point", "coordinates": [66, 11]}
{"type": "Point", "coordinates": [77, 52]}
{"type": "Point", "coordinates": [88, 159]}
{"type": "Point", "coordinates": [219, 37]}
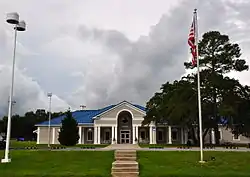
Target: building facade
{"type": "Point", "coordinates": [122, 124]}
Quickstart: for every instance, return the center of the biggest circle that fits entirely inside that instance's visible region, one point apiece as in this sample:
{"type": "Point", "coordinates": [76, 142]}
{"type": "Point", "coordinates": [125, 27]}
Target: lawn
{"type": "Point", "coordinates": [181, 163]}
{"type": "Point", "coordinates": [24, 144]}
{"type": "Point", "coordinates": [183, 145]}
{"type": "Point", "coordinates": [58, 164]}
{"type": "Point", "coordinates": [98, 163]}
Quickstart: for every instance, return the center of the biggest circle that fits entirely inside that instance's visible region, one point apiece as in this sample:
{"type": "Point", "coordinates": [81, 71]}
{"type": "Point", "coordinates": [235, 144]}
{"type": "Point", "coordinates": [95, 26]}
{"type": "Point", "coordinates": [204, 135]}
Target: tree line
{"type": "Point", "coordinates": [23, 126]}
{"type": "Point", "coordinates": [225, 101]}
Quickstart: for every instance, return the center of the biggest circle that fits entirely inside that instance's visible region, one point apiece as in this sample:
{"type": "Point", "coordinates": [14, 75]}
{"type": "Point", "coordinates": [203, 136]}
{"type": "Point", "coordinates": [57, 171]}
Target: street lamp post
{"type": "Point", "coordinates": [12, 18]}
{"type": "Point", "coordinates": [49, 95]}
{"type": "Point", "coordinates": [13, 104]}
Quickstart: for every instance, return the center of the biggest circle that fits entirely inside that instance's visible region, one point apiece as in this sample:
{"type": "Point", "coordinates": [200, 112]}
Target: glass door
{"type": "Point", "coordinates": [125, 137]}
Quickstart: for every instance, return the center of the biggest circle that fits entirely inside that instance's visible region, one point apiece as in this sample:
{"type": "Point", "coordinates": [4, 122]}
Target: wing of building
{"type": "Point", "coordinates": [121, 124]}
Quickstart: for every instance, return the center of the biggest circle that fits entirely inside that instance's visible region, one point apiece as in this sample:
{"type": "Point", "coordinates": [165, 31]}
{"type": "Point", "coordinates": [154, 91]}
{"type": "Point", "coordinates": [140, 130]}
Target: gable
{"type": "Point", "coordinates": [136, 110]}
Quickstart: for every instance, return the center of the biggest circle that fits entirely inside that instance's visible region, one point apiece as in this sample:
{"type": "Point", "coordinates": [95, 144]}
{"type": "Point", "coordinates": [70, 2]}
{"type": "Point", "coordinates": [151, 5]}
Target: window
{"type": "Point", "coordinates": [189, 135]}
{"type": "Point", "coordinates": [160, 135]}
{"type": "Point", "coordinates": [125, 120]}
{"type": "Point", "coordinates": [107, 135]}
{"type": "Point", "coordinates": [220, 134]}
{"type": "Point", "coordinates": [90, 135]}
{"type": "Point", "coordinates": [174, 135]}
{"type": "Point", "coordinates": [236, 136]}
{"type": "Point", "coordinates": [213, 135]}
{"type": "Point", "coordinates": [143, 135]}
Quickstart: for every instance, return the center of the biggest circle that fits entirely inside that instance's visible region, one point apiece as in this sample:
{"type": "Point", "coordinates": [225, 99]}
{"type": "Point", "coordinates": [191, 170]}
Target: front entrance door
{"type": "Point", "coordinates": [125, 137]}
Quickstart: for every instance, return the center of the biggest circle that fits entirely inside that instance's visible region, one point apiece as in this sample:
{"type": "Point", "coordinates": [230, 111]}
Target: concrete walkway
{"type": "Point", "coordinates": [123, 146]}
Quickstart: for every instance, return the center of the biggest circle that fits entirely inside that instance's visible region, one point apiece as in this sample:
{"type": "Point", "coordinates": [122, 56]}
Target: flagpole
{"type": "Point", "coordinates": [198, 84]}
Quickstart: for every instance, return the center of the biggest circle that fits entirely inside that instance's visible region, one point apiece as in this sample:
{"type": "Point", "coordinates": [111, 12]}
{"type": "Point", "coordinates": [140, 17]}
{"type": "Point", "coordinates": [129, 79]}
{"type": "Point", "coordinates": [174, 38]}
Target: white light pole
{"type": "Point", "coordinates": [49, 95]}
{"type": "Point", "coordinates": [13, 104]}
{"type": "Point", "coordinates": [12, 18]}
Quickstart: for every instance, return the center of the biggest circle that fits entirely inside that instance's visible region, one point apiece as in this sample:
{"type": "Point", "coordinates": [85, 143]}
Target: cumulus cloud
{"type": "Point", "coordinates": [87, 54]}
{"type": "Point", "coordinates": [151, 60]}
{"type": "Point", "coordinates": [28, 94]}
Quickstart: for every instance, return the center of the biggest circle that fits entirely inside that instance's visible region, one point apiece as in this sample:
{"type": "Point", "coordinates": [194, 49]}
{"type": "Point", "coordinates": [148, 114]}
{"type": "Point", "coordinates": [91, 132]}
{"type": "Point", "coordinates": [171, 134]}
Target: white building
{"type": "Point", "coordinates": [122, 124]}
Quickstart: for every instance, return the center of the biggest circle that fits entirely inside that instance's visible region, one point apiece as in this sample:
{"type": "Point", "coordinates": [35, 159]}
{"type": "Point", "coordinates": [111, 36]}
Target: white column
{"type": "Point", "coordinates": [113, 134]}
{"type": "Point", "coordinates": [38, 136]}
{"type": "Point", "coordinates": [95, 134]}
{"type": "Point", "coordinates": [213, 136]}
{"type": "Point", "coordinates": [182, 135]}
{"type": "Point", "coordinates": [150, 135]}
{"type": "Point", "coordinates": [166, 135]}
{"type": "Point", "coordinates": [154, 134]}
{"type": "Point", "coordinates": [137, 133]}
{"type": "Point", "coordinates": [116, 134]}
{"type": "Point", "coordinates": [169, 135]}
{"type": "Point", "coordinates": [53, 135]}
{"type": "Point", "coordinates": [80, 135]}
{"type": "Point", "coordinates": [186, 135]}
{"type": "Point", "coordinates": [83, 139]}
{"type": "Point", "coordinates": [134, 135]}
{"type": "Point", "coordinates": [98, 135]}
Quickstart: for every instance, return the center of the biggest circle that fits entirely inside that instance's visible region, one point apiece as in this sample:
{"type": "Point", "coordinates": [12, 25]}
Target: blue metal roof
{"type": "Point", "coordinates": [84, 116]}
{"type": "Point", "coordinates": [140, 107]}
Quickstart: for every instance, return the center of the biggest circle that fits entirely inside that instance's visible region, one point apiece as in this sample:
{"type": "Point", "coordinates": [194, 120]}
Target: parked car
{"type": "Point", "coordinates": [20, 139]}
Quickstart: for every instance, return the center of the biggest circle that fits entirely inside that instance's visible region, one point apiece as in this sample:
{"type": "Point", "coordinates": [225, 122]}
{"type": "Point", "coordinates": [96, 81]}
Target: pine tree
{"type": "Point", "coordinates": [222, 97]}
{"type": "Point", "coordinates": [218, 56]}
{"type": "Point", "coordinates": [68, 135]}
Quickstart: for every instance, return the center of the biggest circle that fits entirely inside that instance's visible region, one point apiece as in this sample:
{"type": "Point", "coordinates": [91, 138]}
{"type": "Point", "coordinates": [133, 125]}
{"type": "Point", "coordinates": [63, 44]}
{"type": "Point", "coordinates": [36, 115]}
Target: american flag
{"type": "Point", "coordinates": [191, 43]}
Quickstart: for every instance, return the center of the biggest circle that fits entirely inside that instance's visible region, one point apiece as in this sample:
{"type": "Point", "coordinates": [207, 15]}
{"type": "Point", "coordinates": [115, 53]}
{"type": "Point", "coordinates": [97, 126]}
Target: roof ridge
{"type": "Point", "coordinates": [85, 116]}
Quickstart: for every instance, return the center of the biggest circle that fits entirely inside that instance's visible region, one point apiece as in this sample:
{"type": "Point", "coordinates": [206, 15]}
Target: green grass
{"type": "Point", "coordinates": [183, 145]}
{"type": "Point", "coordinates": [58, 164]}
{"type": "Point", "coordinates": [98, 163]}
{"type": "Point", "coordinates": [180, 164]}
{"type": "Point", "coordinates": [23, 144]}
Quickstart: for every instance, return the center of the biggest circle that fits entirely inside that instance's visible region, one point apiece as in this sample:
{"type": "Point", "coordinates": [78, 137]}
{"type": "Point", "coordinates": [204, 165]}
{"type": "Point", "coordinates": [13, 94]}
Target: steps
{"type": "Point", "coordinates": [125, 155]}
{"type": "Point", "coordinates": [125, 164]}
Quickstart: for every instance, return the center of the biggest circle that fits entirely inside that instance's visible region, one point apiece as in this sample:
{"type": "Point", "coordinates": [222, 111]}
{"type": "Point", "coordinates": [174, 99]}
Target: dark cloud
{"type": "Point", "coordinates": [101, 66]}
{"type": "Point", "coordinates": [147, 63]}
{"type": "Point", "coordinates": [150, 61]}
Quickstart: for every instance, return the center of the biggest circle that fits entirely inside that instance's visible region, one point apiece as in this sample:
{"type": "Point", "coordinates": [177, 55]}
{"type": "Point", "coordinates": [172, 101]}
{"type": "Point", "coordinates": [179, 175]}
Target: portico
{"type": "Point", "coordinates": [138, 134]}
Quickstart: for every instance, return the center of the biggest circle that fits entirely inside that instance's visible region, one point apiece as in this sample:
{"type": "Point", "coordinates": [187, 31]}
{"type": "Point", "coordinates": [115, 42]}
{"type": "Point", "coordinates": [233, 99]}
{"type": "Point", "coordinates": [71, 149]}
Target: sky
{"type": "Point", "coordinates": [96, 53]}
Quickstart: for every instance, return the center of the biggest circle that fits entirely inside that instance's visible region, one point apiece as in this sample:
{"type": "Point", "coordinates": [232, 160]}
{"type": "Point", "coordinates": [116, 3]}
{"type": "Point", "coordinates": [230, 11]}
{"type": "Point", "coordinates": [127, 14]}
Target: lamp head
{"type": "Point", "coordinates": [49, 94]}
{"type": "Point", "coordinates": [12, 18]}
{"type": "Point", "coordinates": [21, 26]}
